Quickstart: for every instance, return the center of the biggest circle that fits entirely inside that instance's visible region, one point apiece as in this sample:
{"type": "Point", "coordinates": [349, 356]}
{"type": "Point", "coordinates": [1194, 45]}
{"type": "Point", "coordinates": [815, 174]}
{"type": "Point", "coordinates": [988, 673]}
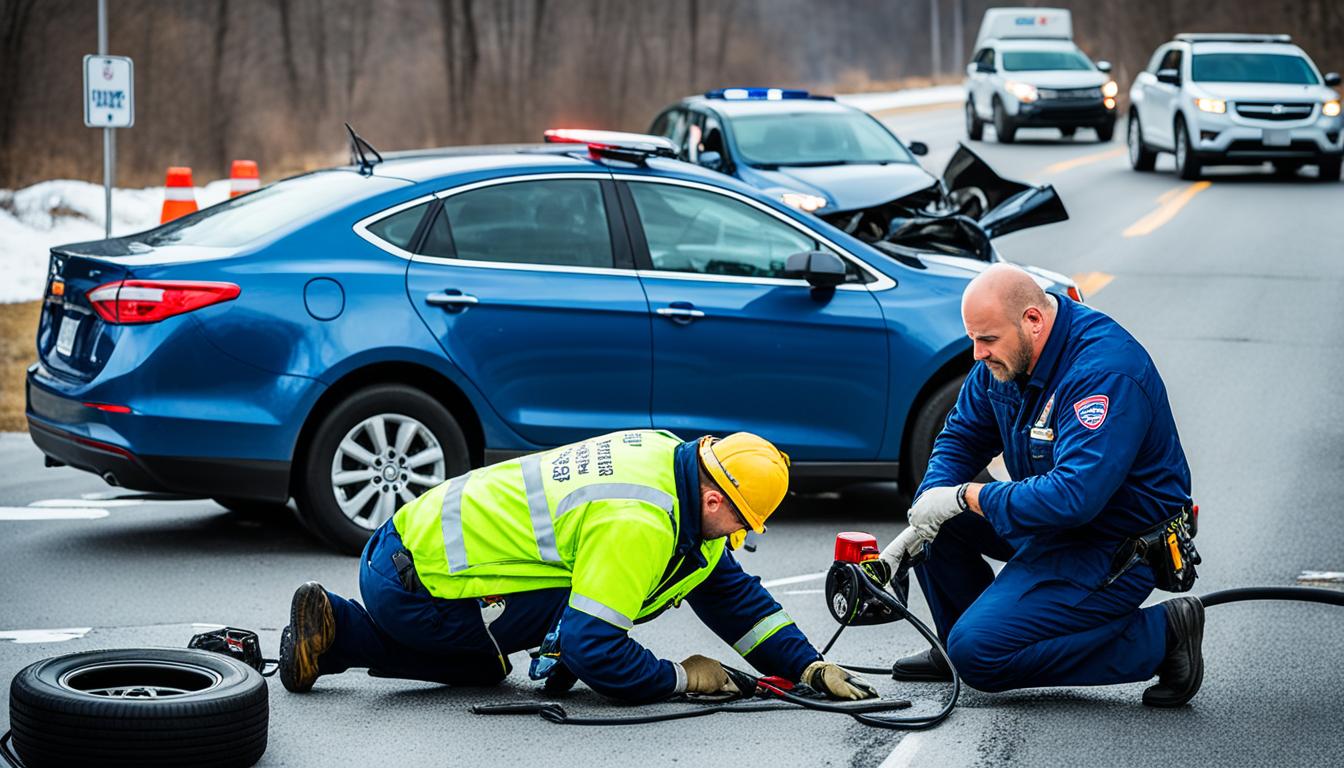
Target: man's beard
{"type": "Point", "coordinates": [1016, 365]}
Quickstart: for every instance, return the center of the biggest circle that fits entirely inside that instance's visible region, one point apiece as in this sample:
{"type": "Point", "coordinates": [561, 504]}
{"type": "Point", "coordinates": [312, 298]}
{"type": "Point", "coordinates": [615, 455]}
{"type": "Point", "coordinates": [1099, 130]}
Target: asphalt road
{"type": "Point", "coordinates": [1231, 285]}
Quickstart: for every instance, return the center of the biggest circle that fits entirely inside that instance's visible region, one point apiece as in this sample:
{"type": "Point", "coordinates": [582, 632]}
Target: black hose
{"type": "Point", "coordinates": [1303, 594]}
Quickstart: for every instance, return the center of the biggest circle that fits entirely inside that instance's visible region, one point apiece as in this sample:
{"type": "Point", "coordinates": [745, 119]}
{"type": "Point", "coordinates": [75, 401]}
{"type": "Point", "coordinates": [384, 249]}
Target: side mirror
{"type": "Point", "coordinates": [1104, 66]}
{"type": "Point", "coordinates": [984, 69]}
{"type": "Point", "coordinates": [1332, 78]}
{"type": "Point", "coordinates": [821, 269]}
{"type": "Point", "coordinates": [1169, 76]}
{"type": "Point", "coordinates": [711, 160]}
{"type": "Point", "coordinates": [919, 148]}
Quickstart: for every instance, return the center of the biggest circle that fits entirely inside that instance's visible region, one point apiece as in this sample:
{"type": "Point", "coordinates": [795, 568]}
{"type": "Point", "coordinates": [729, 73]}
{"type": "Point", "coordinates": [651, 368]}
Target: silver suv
{"type": "Point", "coordinates": [1215, 99]}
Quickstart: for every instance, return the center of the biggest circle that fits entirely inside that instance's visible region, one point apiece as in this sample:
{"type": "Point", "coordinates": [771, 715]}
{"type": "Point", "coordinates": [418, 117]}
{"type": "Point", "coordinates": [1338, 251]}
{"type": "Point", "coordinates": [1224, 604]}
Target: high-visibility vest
{"type": "Point", "coordinates": [600, 516]}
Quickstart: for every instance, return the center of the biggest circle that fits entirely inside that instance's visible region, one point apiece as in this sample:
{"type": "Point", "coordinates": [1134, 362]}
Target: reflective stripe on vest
{"type": "Point", "coordinates": [538, 510]}
{"type": "Point", "coordinates": [762, 632]}
{"type": "Point", "coordinates": [454, 545]}
{"type": "Point", "coordinates": [608, 491]}
{"type": "Point", "coordinates": [600, 611]}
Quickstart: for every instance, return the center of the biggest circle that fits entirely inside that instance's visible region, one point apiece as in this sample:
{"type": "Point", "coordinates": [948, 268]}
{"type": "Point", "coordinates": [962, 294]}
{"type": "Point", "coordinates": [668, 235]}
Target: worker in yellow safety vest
{"type": "Point", "coordinates": [564, 551]}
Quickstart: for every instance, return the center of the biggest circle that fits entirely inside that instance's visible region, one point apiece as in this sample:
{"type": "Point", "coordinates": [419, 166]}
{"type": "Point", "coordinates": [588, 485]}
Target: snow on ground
{"type": "Point", "coordinates": [50, 213]}
{"type": "Point", "coordinates": [34, 219]}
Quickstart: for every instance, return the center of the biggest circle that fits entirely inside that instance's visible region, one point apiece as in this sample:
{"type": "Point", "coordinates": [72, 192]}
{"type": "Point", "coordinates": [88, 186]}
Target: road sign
{"type": "Point", "coordinates": [109, 91]}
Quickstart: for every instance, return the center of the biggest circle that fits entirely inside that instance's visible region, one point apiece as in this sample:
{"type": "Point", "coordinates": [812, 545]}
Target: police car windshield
{"type": "Point", "coordinates": [1023, 61]}
{"type": "Point", "coordinates": [828, 138]}
{"type": "Point", "coordinates": [244, 219]}
{"type": "Point", "coordinates": [1251, 68]}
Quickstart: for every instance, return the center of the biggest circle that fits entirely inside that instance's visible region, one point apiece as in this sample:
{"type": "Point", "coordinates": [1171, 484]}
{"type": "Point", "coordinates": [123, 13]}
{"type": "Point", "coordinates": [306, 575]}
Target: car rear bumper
{"type": "Point", "coordinates": [236, 478]}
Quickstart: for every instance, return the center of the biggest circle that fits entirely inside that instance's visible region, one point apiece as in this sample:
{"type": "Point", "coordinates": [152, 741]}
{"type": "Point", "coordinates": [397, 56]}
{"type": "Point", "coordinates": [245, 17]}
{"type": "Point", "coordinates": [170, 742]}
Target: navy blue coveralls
{"type": "Point", "coordinates": [1092, 446]}
{"type": "Point", "coordinates": [410, 634]}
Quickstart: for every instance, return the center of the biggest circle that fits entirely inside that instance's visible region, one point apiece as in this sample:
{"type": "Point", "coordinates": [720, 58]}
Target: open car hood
{"type": "Point", "coordinates": [975, 205]}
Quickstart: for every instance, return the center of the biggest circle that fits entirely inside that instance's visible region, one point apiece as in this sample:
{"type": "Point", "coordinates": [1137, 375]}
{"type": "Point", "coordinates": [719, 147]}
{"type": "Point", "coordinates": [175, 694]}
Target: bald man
{"type": "Point", "coordinates": [1080, 414]}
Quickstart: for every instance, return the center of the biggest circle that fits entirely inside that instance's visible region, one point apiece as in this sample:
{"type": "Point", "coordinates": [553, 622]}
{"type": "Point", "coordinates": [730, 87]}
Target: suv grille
{"type": "Point", "coordinates": [1274, 110]}
{"type": "Point", "coordinates": [1069, 93]}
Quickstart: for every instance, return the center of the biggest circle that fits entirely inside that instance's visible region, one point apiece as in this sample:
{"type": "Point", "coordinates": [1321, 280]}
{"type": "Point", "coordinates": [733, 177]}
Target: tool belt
{"type": "Point", "coordinates": [1168, 548]}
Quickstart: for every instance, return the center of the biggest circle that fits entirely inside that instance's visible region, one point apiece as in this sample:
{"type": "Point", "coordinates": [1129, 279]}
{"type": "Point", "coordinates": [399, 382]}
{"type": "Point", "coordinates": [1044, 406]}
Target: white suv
{"type": "Point", "coordinates": [1214, 99]}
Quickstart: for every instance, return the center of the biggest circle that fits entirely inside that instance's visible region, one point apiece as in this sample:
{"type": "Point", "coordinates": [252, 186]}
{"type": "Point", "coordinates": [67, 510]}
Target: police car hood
{"type": "Point", "coordinates": [1053, 78]}
{"type": "Point", "coordinates": [847, 187]}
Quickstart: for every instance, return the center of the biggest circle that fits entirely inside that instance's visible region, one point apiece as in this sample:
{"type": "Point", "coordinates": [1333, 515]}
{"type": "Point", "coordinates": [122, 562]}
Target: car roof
{"type": "Point", "coordinates": [742, 107]}
{"type": "Point", "coordinates": [1282, 49]}
{"type": "Point", "coordinates": [427, 165]}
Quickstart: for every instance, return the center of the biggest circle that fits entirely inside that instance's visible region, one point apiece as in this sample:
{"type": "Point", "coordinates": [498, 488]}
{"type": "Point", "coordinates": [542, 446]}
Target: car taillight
{"type": "Point", "coordinates": [128, 302]}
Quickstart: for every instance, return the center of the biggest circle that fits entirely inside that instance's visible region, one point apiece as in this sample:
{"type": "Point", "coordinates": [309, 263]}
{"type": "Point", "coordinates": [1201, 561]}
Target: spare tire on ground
{"type": "Point", "coordinates": [139, 707]}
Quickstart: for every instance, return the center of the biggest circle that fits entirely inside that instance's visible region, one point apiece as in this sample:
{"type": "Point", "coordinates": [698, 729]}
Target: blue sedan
{"type": "Point", "coordinates": [352, 337]}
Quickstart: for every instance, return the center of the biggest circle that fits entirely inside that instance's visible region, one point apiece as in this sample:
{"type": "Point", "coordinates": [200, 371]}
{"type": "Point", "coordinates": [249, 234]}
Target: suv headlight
{"type": "Point", "coordinates": [1331, 108]}
{"type": "Point", "coordinates": [1216, 106]}
{"type": "Point", "coordinates": [1110, 89]}
{"type": "Point", "coordinates": [1025, 92]}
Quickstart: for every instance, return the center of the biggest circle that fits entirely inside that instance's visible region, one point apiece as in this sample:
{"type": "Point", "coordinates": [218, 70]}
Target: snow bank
{"type": "Point", "coordinates": [912, 97]}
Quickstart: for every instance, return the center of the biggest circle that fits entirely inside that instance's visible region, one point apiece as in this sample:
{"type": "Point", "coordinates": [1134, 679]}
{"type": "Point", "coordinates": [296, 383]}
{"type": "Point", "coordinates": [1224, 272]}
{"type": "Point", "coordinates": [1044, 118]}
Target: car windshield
{"type": "Point", "coordinates": [1251, 68]}
{"type": "Point", "coordinates": [1020, 61]}
{"type": "Point", "coordinates": [249, 217]}
{"type": "Point", "coordinates": [835, 138]}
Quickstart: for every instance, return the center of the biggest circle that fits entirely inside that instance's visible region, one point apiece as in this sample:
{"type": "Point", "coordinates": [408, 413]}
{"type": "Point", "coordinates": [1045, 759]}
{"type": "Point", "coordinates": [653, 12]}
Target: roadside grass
{"type": "Point", "coordinates": [18, 329]}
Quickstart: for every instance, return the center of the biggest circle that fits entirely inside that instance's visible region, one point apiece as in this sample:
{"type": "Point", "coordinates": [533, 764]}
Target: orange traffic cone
{"type": "Point", "coordinates": [179, 196]}
{"type": "Point", "coordinates": [243, 177]}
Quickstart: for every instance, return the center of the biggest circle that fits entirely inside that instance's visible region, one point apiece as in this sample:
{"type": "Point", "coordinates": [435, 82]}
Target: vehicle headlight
{"type": "Point", "coordinates": [1110, 89]}
{"type": "Point", "coordinates": [1216, 106]}
{"type": "Point", "coordinates": [803, 202]}
{"type": "Point", "coordinates": [1025, 92]}
{"type": "Point", "coordinates": [1331, 108]}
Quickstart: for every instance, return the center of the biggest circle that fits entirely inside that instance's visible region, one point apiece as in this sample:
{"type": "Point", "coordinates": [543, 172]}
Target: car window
{"type": "Point", "coordinates": [1020, 61]}
{"type": "Point", "coordinates": [438, 239]}
{"type": "Point", "coordinates": [283, 204]}
{"type": "Point", "coordinates": [1251, 68]}
{"type": "Point", "coordinates": [671, 124]}
{"type": "Point", "coordinates": [560, 222]}
{"type": "Point", "coordinates": [1172, 60]}
{"type": "Point", "coordinates": [399, 228]}
{"type": "Point", "coordinates": [816, 139]}
{"type": "Point", "coordinates": [692, 230]}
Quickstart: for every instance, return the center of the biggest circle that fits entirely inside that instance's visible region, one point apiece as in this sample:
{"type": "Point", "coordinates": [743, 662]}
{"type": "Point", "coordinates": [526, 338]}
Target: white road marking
{"type": "Point", "coordinates": [1321, 577]}
{"type": "Point", "coordinates": [794, 579]}
{"type": "Point", "coordinates": [51, 513]}
{"type": "Point", "coordinates": [803, 592]}
{"type": "Point", "coordinates": [903, 755]}
{"type": "Point", "coordinates": [89, 503]}
{"type": "Point", "coordinates": [44, 635]}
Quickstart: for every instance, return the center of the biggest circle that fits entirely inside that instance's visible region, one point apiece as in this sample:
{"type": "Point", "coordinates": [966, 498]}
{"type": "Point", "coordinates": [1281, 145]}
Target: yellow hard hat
{"type": "Point", "coordinates": [751, 471]}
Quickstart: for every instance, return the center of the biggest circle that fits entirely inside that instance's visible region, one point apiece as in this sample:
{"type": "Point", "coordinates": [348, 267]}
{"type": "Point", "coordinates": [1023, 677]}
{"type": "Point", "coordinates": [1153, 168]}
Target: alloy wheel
{"type": "Point", "coordinates": [383, 462]}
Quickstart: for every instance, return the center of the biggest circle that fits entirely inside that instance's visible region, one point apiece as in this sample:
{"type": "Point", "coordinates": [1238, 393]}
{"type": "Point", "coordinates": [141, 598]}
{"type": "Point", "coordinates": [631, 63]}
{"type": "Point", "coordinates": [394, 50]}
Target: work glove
{"type": "Point", "coordinates": [904, 547]}
{"type": "Point", "coordinates": [836, 682]}
{"type": "Point", "coordinates": [705, 675]}
{"type": "Point", "coordinates": [935, 507]}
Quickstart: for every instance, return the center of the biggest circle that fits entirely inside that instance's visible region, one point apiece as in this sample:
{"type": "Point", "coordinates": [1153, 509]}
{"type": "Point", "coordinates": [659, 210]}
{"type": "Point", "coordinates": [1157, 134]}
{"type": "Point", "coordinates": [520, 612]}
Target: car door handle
{"type": "Point", "coordinates": [680, 313]}
{"type": "Point", "coordinates": [454, 301]}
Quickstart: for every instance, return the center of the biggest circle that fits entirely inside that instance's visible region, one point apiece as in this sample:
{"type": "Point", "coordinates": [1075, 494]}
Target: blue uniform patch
{"type": "Point", "coordinates": [1092, 410]}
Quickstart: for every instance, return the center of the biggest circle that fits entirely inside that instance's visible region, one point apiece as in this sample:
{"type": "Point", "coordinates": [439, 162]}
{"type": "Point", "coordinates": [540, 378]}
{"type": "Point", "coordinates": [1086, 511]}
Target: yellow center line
{"type": "Point", "coordinates": [1169, 206]}
{"type": "Point", "coordinates": [1066, 165]}
{"type": "Point", "coordinates": [1090, 283]}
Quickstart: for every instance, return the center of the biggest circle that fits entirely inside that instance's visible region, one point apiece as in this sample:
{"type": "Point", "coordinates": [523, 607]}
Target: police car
{"type": "Point", "coordinates": [355, 336]}
{"type": "Point", "coordinates": [1027, 73]}
{"type": "Point", "coordinates": [1213, 99]}
{"type": "Point", "coordinates": [844, 166]}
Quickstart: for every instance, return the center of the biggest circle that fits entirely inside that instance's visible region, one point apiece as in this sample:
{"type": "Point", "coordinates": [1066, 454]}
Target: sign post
{"type": "Point", "coordinates": [109, 103]}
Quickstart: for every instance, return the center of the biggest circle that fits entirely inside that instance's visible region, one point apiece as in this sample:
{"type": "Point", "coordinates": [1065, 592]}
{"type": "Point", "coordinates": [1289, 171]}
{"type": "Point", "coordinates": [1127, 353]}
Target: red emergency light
{"type": "Point", "coordinates": [855, 547]}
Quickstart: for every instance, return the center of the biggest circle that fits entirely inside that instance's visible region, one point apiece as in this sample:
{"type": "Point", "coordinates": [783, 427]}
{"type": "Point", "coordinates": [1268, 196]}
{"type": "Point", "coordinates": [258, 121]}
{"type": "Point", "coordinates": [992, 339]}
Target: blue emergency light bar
{"type": "Point", "coordinates": [759, 94]}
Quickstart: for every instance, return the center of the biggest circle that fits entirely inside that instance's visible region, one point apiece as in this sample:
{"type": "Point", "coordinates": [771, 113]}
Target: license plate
{"type": "Point", "coordinates": [65, 337]}
{"type": "Point", "coordinates": [1278, 138]}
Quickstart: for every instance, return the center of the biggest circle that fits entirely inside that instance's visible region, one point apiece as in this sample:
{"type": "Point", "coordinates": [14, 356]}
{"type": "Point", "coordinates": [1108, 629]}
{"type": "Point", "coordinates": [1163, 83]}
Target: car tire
{"type": "Point", "coordinates": [1106, 132]}
{"type": "Point", "coordinates": [924, 430]}
{"type": "Point", "coordinates": [1141, 158]}
{"type": "Point", "coordinates": [975, 127]}
{"type": "Point", "coordinates": [139, 707]}
{"type": "Point", "coordinates": [335, 500]}
{"type": "Point", "coordinates": [1328, 170]}
{"type": "Point", "coordinates": [1004, 130]}
{"type": "Point", "coordinates": [1067, 133]}
{"type": "Point", "coordinates": [1187, 165]}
